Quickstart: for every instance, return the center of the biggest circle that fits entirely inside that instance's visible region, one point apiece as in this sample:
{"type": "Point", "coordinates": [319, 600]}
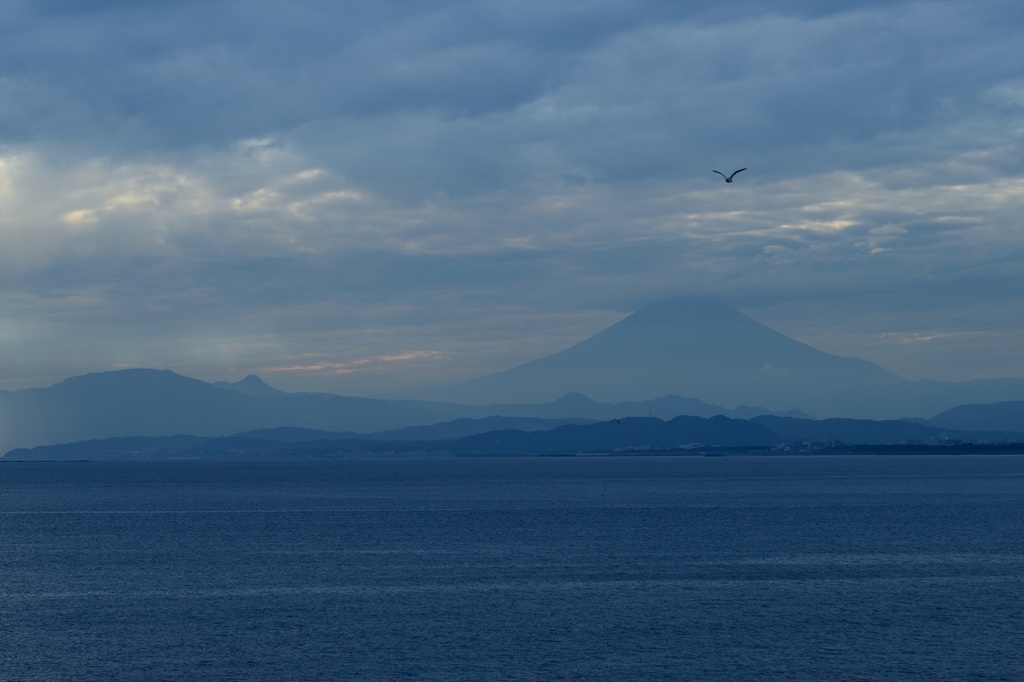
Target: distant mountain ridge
{"type": "Point", "coordinates": [148, 402]}
{"type": "Point", "coordinates": [991, 417]}
{"type": "Point", "coordinates": [635, 435]}
{"type": "Point", "coordinates": [709, 352]}
{"type": "Point", "coordinates": [685, 347]}
{"type": "Point", "coordinates": [716, 354]}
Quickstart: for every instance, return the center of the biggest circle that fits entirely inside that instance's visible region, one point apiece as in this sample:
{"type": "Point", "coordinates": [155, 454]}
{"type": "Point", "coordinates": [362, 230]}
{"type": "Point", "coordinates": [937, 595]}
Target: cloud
{"type": "Point", "coordinates": [372, 364]}
{"type": "Point", "coordinates": [281, 180]}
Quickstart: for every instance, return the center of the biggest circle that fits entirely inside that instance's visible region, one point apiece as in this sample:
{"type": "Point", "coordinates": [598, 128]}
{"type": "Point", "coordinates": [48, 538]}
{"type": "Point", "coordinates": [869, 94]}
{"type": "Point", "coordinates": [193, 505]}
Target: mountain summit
{"type": "Point", "coordinates": [250, 385]}
{"type": "Point", "coordinates": [687, 347]}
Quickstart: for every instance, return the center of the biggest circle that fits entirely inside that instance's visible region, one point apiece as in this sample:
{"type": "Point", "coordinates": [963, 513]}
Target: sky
{"type": "Point", "coordinates": [367, 198]}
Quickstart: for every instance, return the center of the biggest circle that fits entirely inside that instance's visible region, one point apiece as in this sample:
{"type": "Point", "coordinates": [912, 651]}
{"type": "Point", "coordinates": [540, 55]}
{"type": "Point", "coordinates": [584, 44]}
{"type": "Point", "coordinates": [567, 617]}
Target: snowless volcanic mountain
{"type": "Point", "coordinates": [710, 351]}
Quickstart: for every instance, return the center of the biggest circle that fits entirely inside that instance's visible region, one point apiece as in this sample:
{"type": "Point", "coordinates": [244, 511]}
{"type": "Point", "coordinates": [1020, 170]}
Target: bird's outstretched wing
{"type": "Point", "coordinates": [720, 173]}
{"type": "Point", "coordinates": [734, 173]}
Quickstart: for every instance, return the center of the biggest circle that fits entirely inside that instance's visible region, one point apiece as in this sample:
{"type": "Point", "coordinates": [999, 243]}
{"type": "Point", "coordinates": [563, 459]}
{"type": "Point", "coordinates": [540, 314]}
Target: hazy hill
{"type": "Point", "coordinates": [577, 405]}
{"type": "Point", "coordinates": [147, 402]}
{"type": "Point", "coordinates": [250, 385]}
{"type": "Point", "coordinates": [1004, 416]}
{"type": "Point", "coordinates": [682, 347]}
{"type": "Point", "coordinates": [449, 430]}
{"type": "Point", "coordinates": [638, 434]}
{"type": "Point", "coordinates": [853, 431]}
{"type": "Point", "coordinates": [709, 352]}
{"type": "Point", "coordinates": [716, 354]}
{"type": "Point", "coordinates": [460, 428]}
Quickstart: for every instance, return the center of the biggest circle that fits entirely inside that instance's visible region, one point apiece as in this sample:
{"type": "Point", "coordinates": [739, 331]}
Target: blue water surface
{"type": "Point", "coordinates": [596, 568]}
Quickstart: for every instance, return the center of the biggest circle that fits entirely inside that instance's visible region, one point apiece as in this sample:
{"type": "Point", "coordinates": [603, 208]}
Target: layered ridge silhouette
{"type": "Point", "coordinates": [712, 352]}
{"type": "Point", "coordinates": [682, 357]}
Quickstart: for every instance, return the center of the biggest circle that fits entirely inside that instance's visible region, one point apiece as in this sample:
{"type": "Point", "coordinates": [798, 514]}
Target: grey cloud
{"type": "Point", "coordinates": [242, 73]}
{"type": "Point", "coordinates": [369, 174]}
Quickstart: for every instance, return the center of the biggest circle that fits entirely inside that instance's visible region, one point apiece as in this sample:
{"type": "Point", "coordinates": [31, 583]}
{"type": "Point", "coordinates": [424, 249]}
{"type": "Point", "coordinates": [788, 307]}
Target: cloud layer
{"type": "Point", "coordinates": [366, 197]}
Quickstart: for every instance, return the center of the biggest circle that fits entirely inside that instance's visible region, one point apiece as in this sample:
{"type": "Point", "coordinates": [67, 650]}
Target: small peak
{"type": "Point", "coordinates": [251, 385]}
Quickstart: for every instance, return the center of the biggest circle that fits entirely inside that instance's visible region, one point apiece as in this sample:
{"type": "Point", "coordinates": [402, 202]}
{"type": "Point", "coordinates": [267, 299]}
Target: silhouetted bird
{"type": "Point", "coordinates": [730, 177]}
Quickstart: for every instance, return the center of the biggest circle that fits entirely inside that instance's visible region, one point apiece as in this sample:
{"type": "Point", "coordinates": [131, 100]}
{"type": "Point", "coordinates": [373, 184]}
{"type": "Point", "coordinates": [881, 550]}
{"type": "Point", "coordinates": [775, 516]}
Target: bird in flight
{"type": "Point", "coordinates": [728, 178]}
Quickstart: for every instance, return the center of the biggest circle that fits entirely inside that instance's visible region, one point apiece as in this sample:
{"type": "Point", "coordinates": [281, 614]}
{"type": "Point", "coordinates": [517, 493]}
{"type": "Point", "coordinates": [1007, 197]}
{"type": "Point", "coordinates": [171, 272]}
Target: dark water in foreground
{"type": "Point", "coordinates": [728, 568]}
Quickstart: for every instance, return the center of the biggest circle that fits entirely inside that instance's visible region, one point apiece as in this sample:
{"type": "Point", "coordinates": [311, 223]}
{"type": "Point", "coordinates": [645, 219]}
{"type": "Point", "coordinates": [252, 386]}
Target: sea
{"type": "Point", "coordinates": [857, 567]}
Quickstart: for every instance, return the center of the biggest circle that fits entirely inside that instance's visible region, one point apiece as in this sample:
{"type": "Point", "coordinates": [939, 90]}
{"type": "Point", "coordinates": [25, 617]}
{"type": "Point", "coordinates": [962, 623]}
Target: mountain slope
{"type": "Point", "coordinates": [148, 402]}
{"type": "Point", "coordinates": [635, 432]}
{"type": "Point", "coordinates": [716, 354]}
{"type": "Point", "coordinates": [250, 385]}
{"type": "Point", "coordinates": [1002, 416]}
{"type": "Point", "coordinates": [516, 437]}
{"type": "Point", "coordinates": [683, 347]}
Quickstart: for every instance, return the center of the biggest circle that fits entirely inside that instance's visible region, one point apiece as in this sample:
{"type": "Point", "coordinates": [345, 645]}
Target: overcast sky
{"type": "Point", "coordinates": [365, 197]}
